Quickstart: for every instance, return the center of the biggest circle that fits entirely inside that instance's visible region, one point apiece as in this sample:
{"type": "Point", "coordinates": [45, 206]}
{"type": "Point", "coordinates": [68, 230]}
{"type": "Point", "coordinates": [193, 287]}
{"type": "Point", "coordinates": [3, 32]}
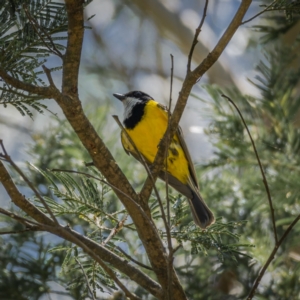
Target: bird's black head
{"type": "Point", "coordinates": [138, 95]}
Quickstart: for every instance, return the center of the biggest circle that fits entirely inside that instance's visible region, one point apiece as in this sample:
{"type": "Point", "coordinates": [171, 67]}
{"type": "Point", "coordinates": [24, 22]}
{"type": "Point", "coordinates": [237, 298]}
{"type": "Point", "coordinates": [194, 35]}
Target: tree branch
{"type": "Point", "coordinates": [167, 221]}
{"type": "Point", "coordinates": [224, 40]}
{"type": "Point", "coordinates": [48, 74]}
{"type": "Point", "coordinates": [46, 92]}
{"type": "Point", "coordinates": [72, 56]}
{"type": "Point", "coordinates": [170, 269]}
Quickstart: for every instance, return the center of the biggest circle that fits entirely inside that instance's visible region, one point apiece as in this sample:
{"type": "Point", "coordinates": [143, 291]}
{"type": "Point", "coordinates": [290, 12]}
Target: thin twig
{"type": "Point", "coordinates": [177, 248]}
{"type": "Point", "coordinates": [134, 260]}
{"type": "Point", "coordinates": [32, 225]}
{"type": "Point", "coordinates": [168, 143]}
{"type": "Point", "coordinates": [48, 74]}
{"type": "Point", "coordinates": [115, 230]}
{"type": "Point", "coordinates": [86, 278]}
{"type": "Point", "coordinates": [29, 183]}
{"type": "Point", "coordinates": [168, 228]}
{"type": "Point", "coordinates": [195, 40]}
{"type": "Point", "coordinates": [15, 231]}
{"type": "Point", "coordinates": [260, 13]}
{"type": "Point", "coordinates": [271, 257]}
{"type": "Point", "coordinates": [261, 168]}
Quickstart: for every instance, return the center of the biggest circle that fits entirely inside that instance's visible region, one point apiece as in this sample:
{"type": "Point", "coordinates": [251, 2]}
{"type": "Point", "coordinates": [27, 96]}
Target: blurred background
{"type": "Point", "coordinates": [127, 46]}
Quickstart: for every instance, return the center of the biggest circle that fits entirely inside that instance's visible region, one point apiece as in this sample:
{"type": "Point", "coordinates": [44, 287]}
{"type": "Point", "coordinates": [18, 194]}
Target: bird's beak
{"type": "Point", "coordinates": [119, 96]}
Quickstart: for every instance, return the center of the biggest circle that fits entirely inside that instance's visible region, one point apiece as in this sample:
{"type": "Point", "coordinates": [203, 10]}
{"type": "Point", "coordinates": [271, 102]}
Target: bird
{"type": "Point", "coordinates": [145, 121]}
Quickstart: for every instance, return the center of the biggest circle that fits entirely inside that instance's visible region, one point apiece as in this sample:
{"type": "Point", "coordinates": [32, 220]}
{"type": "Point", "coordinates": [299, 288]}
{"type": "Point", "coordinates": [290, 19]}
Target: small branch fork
{"type": "Point", "coordinates": [277, 242]}
{"type": "Point", "coordinates": [115, 230]}
{"type": "Point", "coordinates": [267, 8]}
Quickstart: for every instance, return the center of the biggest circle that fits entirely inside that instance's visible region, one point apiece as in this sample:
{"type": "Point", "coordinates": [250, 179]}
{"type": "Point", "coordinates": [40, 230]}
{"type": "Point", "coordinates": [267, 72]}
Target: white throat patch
{"type": "Point", "coordinates": [129, 103]}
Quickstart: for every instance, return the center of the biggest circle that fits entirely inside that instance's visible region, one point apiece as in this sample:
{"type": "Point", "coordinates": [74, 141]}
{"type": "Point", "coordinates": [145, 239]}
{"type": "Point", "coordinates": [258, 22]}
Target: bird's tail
{"type": "Point", "coordinates": [202, 215]}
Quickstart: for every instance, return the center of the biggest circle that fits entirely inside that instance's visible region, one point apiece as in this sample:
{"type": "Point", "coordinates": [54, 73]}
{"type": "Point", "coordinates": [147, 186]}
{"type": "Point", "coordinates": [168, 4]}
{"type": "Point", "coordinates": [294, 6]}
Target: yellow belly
{"type": "Point", "coordinates": [146, 136]}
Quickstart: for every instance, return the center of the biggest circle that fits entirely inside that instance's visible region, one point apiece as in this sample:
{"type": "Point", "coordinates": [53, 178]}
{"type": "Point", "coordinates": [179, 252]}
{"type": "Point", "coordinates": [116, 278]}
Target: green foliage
{"type": "Point", "coordinates": [30, 31]}
{"type": "Point", "coordinates": [211, 264]}
{"type": "Point", "coordinates": [89, 275]}
{"type": "Point", "coordinates": [82, 196]}
{"type": "Point", "coordinates": [291, 8]}
{"type": "Point", "coordinates": [273, 122]}
{"type": "Point", "coordinates": [279, 24]}
{"type": "Point", "coordinates": [26, 267]}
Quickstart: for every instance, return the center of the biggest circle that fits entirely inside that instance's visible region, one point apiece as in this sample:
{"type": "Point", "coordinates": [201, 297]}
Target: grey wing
{"type": "Point", "coordinates": [188, 156]}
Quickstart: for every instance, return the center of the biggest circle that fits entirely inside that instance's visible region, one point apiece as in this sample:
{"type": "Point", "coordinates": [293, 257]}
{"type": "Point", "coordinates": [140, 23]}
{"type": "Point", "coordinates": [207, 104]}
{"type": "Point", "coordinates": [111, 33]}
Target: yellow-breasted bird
{"type": "Point", "coordinates": [146, 121]}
